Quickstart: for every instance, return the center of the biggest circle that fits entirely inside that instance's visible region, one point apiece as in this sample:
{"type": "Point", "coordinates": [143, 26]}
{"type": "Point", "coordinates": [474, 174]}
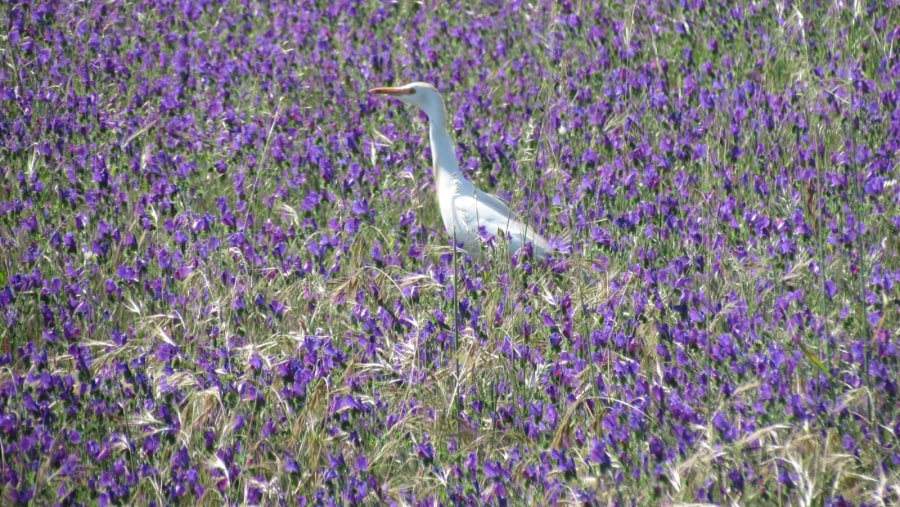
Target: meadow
{"type": "Point", "coordinates": [225, 281]}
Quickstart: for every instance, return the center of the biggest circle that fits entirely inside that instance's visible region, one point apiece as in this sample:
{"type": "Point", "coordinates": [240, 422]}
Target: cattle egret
{"type": "Point", "coordinates": [464, 208]}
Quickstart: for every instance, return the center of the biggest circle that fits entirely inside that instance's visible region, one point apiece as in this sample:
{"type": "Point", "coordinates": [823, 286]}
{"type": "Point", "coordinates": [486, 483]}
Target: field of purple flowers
{"type": "Point", "coordinates": [224, 278]}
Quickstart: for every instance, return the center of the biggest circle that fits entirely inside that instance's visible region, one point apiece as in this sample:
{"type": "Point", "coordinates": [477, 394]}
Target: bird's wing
{"type": "Point", "coordinates": [482, 209]}
{"type": "Point", "coordinates": [494, 199]}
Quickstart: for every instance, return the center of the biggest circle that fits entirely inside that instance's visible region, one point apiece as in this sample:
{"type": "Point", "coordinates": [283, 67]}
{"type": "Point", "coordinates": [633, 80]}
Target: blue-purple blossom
{"type": "Point", "coordinates": [225, 267]}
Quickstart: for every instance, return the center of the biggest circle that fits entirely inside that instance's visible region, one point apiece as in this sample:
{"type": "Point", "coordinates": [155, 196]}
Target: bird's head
{"type": "Point", "coordinates": [423, 95]}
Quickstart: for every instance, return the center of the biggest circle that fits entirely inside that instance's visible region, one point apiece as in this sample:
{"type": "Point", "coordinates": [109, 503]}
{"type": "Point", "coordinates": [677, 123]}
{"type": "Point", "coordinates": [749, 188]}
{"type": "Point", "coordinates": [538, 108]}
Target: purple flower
{"type": "Point", "coordinates": [495, 471]}
{"type": "Point", "coordinates": [471, 462]}
{"type": "Point", "coordinates": [425, 452]}
{"type": "Point", "coordinates": [277, 307]}
{"type": "Point", "coordinates": [361, 463]}
{"type": "Point", "coordinates": [127, 273]}
{"type": "Point", "coordinates": [360, 207]}
{"type": "Point", "coordinates": [290, 464]}
{"type": "Point", "coordinates": [256, 361]}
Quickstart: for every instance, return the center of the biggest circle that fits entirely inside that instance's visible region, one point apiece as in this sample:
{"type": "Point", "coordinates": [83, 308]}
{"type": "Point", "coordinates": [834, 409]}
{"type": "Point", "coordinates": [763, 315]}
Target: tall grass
{"type": "Point", "coordinates": [225, 279]}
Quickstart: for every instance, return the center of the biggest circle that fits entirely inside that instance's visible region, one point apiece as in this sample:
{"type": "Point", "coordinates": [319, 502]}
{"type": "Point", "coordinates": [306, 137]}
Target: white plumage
{"type": "Point", "coordinates": [464, 208]}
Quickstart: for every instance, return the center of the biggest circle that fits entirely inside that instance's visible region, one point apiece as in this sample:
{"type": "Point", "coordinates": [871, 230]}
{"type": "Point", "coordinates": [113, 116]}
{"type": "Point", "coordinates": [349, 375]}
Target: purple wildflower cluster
{"type": "Point", "coordinates": [225, 280]}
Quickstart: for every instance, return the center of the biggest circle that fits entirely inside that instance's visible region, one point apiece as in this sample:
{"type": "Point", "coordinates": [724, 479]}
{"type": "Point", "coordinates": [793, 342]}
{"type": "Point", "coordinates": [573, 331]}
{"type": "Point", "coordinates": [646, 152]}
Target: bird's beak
{"type": "Point", "coordinates": [396, 92]}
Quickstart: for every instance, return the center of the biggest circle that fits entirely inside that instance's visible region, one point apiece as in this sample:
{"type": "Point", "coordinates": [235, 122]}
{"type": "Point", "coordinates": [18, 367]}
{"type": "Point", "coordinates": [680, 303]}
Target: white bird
{"type": "Point", "coordinates": [464, 208]}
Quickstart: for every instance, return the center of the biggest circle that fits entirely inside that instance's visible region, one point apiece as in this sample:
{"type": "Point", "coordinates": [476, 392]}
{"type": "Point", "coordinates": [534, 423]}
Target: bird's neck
{"type": "Point", "coordinates": [447, 176]}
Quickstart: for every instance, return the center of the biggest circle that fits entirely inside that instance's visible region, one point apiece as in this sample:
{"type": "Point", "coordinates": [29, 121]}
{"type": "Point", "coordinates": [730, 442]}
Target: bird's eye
{"type": "Point", "coordinates": [412, 91]}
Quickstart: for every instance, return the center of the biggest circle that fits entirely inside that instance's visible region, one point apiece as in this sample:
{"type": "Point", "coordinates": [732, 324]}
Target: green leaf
{"type": "Point", "coordinates": [814, 360]}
